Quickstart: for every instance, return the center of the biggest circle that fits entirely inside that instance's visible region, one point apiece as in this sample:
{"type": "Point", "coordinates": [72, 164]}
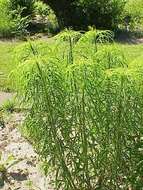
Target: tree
{"type": "Point", "coordinates": [67, 12]}
{"type": "Point", "coordinates": [82, 13]}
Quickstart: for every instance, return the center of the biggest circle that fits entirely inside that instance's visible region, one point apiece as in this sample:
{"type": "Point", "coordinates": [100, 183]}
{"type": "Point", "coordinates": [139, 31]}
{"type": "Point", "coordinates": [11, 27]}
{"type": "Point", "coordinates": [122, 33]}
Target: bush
{"type": "Point", "coordinates": [20, 24]}
{"type": "Point", "coordinates": [27, 6]}
{"type": "Point", "coordinates": [133, 14]}
{"type": "Point", "coordinates": [86, 107]}
{"type": "Point", "coordinates": [5, 18]}
{"type": "Point", "coordinates": [80, 14]}
{"type": "Point", "coordinates": [45, 15]}
{"type": "Point", "coordinates": [42, 9]}
{"type": "Point", "coordinates": [103, 14]}
{"type": "Point", "coordinates": [11, 22]}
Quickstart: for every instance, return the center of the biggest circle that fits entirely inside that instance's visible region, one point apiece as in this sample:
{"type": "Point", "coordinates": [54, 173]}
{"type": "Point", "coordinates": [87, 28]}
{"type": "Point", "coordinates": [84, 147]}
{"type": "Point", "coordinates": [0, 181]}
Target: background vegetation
{"type": "Point", "coordinates": [11, 21]}
{"type": "Point", "coordinates": [22, 17]}
{"type": "Point", "coordinates": [133, 12]}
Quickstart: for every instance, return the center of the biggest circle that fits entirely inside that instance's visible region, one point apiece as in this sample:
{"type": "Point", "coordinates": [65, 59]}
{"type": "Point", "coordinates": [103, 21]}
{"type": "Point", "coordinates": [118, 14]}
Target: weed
{"type": "Point", "coordinates": [4, 166]}
{"type": "Point", "coordinates": [9, 106]}
{"type": "Point", "coordinates": [2, 124]}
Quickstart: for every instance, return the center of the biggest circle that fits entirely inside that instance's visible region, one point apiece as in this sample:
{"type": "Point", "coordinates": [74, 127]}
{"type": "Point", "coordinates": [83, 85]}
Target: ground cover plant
{"type": "Point", "coordinates": [86, 106]}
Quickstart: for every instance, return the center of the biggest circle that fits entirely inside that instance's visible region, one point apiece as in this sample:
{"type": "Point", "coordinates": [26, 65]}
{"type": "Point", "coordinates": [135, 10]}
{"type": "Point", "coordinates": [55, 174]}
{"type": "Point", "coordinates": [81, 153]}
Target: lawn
{"type": "Point", "coordinates": [132, 52]}
{"type": "Point", "coordinates": [6, 63]}
{"type": "Point", "coordinates": [6, 56]}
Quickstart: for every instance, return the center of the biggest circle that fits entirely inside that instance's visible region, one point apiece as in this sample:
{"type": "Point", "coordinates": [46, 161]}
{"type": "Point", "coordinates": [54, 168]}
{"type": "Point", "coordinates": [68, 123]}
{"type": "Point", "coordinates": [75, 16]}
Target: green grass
{"type": "Point", "coordinates": [132, 52]}
{"type": "Point", "coordinates": [6, 63]}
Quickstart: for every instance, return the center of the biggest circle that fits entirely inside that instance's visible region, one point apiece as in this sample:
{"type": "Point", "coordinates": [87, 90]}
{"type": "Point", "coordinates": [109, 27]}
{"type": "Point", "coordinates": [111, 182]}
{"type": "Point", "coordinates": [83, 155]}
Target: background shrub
{"type": "Point", "coordinates": [42, 9]}
{"type": "Point", "coordinates": [45, 15]}
{"type": "Point", "coordinates": [27, 6]}
{"type": "Point", "coordinates": [82, 13]}
{"type": "Point", "coordinates": [103, 13]}
{"type": "Point", "coordinates": [6, 23]}
{"type": "Point", "coordinates": [11, 21]}
{"type": "Point", "coordinates": [133, 14]}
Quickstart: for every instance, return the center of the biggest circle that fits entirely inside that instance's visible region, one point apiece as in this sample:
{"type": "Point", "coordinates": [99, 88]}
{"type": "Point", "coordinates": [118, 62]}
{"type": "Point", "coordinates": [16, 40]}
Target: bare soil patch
{"type": "Point", "coordinates": [26, 173]}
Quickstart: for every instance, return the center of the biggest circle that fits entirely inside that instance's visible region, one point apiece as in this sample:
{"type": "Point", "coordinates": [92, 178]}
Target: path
{"type": "Point", "coordinates": [25, 175]}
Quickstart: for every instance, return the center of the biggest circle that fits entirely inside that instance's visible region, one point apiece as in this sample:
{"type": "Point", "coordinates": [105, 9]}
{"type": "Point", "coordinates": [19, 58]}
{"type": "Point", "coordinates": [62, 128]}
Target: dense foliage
{"type": "Point", "coordinates": [86, 111]}
{"type": "Point", "coordinates": [133, 14]}
{"type": "Point", "coordinates": [20, 18]}
{"type": "Point", "coordinates": [5, 19]}
{"type": "Point", "coordinates": [45, 15]}
{"type": "Point", "coordinates": [27, 6]}
{"type": "Point", "coordinates": [53, 15]}
{"type": "Point", "coordinates": [11, 21]}
{"type": "Point", "coordinates": [82, 13]}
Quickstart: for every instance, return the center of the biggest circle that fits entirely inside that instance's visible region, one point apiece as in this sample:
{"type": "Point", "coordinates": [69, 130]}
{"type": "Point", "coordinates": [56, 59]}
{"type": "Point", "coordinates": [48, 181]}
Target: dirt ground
{"type": "Point", "coordinates": [26, 173]}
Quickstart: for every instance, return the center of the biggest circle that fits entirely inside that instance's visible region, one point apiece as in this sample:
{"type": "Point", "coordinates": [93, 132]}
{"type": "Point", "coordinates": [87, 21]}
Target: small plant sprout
{"type": "Point", "coordinates": [2, 125]}
{"type": "Point", "coordinates": [9, 106]}
{"type": "Point", "coordinates": [5, 165]}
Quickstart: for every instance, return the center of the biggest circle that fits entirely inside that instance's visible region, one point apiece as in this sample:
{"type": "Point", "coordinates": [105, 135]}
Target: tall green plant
{"type": "Point", "coordinates": [85, 115]}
